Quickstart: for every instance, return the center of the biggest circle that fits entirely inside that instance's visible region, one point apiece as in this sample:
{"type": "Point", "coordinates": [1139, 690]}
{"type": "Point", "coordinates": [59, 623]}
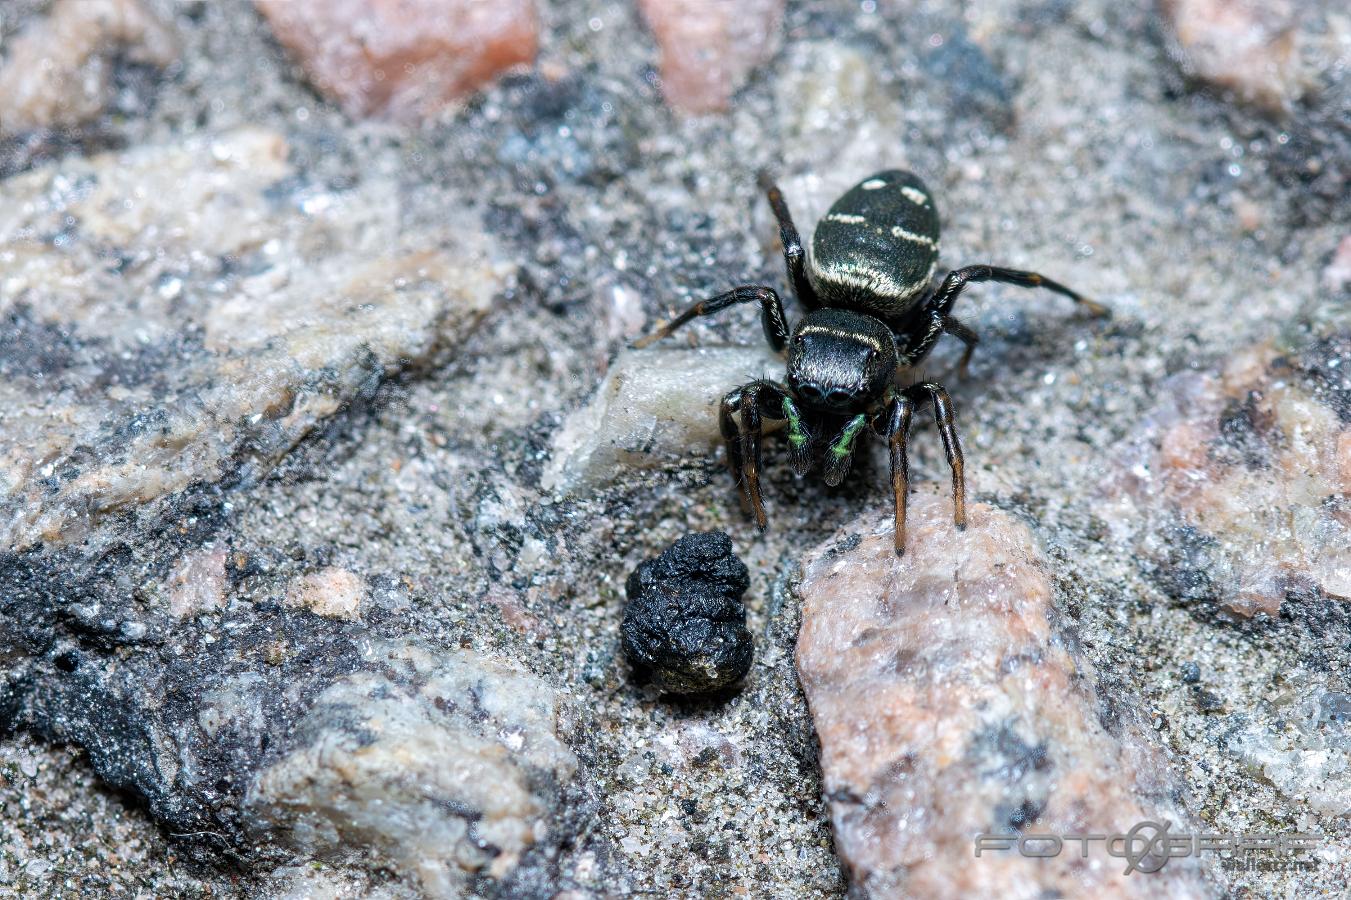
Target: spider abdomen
{"type": "Point", "coordinates": [876, 250]}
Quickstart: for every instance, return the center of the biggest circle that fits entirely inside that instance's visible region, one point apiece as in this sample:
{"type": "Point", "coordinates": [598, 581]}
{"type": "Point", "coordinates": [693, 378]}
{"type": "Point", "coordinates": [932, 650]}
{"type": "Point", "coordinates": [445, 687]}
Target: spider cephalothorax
{"type": "Point", "coordinates": [872, 315]}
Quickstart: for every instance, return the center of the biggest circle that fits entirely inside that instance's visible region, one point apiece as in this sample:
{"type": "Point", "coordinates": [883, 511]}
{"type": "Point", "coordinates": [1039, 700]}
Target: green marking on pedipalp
{"type": "Point", "coordinates": [842, 447]}
{"type": "Point", "coordinates": [797, 437]}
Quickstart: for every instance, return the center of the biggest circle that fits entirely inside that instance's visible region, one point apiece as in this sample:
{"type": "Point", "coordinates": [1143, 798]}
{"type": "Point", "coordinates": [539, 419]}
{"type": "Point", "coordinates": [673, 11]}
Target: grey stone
{"type": "Point", "coordinates": [59, 71]}
{"type": "Point", "coordinates": [447, 764]}
{"type": "Point", "coordinates": [1234, 484]}
{"type": "Point", "coordinates": [184, 378]}
{"type": "Point", "coordinates": [655, 407]}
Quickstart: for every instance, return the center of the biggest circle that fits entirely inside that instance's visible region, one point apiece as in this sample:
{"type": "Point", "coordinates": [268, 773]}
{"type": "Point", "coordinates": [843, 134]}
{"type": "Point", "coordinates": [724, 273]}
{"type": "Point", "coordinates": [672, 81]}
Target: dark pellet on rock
{"type": "Point", "coordinates": [685, 626]}
{"type": "Point", "coordinates": [1191, 673]}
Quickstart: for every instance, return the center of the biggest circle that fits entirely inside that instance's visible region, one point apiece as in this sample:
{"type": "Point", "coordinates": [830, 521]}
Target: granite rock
{"type": "Point", "coordinates": [333, 592]}
{"type": "Point", "coordinates": [1239, 45]}
{"type": "Point", "coordinates": [58, 72]}
{"type": "Point", "coordinates": [1307, 756]}
{"type": "Point", "coordinates": [709, 47]}
{"type": "Point", "coordinates": [655, 407]}
{"type": "Point", "coordinates": [171, 375]}
{"type": "Point", "coordinates": [446, 764]}
{"type": "Point", "coordinates": [1238, 482]}
{"type": "Point", "coordinates": [405, 61]}
{"type": "Point", "coordinates": [1057, 138]}
{"type": "Point", "coordinates": [949, 702]}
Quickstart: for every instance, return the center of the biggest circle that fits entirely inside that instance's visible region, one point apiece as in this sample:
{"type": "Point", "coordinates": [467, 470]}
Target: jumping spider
{"type": "Point", "coordinates": [872, 316]}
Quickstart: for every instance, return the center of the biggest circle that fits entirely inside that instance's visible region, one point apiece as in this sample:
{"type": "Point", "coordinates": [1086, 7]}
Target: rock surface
{"type": "Point", "coordinates": [1240, 45]}
{"type": "Point", "coordinates": [709, 48]}
{"type": "Point", "coordinates": [949, 703]}
{"type": "Point", "coordinates": [655, 407]}
{"type": "Point", "coordinates": [684, 624]}
{"type": "Point", "coordinates": [336, 593]}
{"type": "Point", "coordinates": [149, 658]}
{"type": "Point", "coordinates": [446, 764]}
{"type": "Point", "coordinates": [1309, 759]}
{"type": "Point", "coordinates": [1239, 482]}
{"type": "Point", "coordinates": [188, 377]}
{"type": "Point", "coordinates": [406, 61]}
{"type": "Point", "coordinates": [59, 71]}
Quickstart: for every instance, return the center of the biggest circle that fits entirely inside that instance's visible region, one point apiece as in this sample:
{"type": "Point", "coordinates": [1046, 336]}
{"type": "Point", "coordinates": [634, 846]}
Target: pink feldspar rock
{"type": "Point", "coordinates": [404, 60]}
{"type": "Point", "coordinates": [708, 47]}
{"type": "Point", "coordinates": [1246, 46]}
{"type": "Point", "coordinates": [947, 705]}
{"type": "Point", "coordinates": [1337, 273]}
{"type": "Point", "coordinates": [1238, 484]}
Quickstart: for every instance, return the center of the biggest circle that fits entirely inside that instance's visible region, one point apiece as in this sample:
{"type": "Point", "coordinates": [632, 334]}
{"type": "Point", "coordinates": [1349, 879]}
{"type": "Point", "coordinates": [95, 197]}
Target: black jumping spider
{"type": "Point", "coordinates": [872, 315]}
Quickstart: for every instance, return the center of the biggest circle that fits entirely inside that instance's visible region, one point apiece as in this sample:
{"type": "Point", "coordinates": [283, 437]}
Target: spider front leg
{"type": "Point", "coordinates": [952, 448]}
{"type": "Point", "coordinates": [894, 425]}
{"type": "Point", "coordinates": [740, 419]}
{"type": "Point", "coordinates": [896, 429]}
{"type": "Point", "coordinates": [794, 257]}
{"type": "Point", "coordinates": [771, 314]}
{"type": "Point", "coordinates": [958, 279]}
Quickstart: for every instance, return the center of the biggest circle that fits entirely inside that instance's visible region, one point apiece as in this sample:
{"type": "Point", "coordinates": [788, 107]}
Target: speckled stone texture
{"type": "Point", "coordinates": [281, 384]}
{"type": "Point", "coordinates": [407, 60]}
{"type": "Point", "coordinates": [1239, 483]}
{"type": "Point", "coordinates": [445, 764]}
{"type": "Point", "coordinates": [181, 378]}
{"type": "Point", "coordinates": [950, 702]}
{"type": "Point", "coordinates": [59, 71]}
{"type": "Point", "coordinates": [1241, 46]}
{"type": "Point", "coordinates": [709, 47]}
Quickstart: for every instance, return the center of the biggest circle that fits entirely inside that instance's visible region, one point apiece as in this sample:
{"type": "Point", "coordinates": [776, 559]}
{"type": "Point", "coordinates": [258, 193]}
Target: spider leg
{"type": "Point", "coordinates": [915, 341]}
{"type": "Point", "coordinates": [731, 433]}
{"type": "Point", "coordinates": [771, 314]}
{"type": "Point", "coordinates": [933, 314]}
{"type": "Point", "coordinates": [749, 403]}
{"type": "Point", "coordinates": [957, 280]}
{"type": "Point", "coordinates": [952, 447]}
{"type": "Point", "coordinates": [897, 430]}
{"type": "Point", "coordinates": [794, 257]}
{"type": "Point", "coordinates": [967, 336]}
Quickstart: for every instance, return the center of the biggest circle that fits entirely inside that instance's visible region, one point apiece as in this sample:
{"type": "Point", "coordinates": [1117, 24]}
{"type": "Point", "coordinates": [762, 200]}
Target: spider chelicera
{"type": "Point", "coordinates": [872, 316]}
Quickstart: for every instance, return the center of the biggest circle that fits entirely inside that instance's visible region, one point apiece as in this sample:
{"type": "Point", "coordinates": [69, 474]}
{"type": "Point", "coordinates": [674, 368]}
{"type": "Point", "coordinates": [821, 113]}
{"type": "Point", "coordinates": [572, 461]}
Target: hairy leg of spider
{"type": "Point", "coordinates": [771, 314]}
{"type": "Point", "coordinates": [957, 280]}
{"type": "Point", "coordinates": [897, 432]}
{"type": "Point", "coordinates": [748, 403]}
{"type": "Point", "coordinates": [731, 436]}
{"type": "Point", "coordinates": [952, 448]}
{"type": "Point", "coordinates": [794, 257]}
{"type": "Point", "coordinates": [968, 337]}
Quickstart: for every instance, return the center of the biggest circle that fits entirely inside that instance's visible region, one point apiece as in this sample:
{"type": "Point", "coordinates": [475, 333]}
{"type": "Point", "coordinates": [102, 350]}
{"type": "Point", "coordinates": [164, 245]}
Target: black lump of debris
{"type": "Point", "coordinates": [685, 626]}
